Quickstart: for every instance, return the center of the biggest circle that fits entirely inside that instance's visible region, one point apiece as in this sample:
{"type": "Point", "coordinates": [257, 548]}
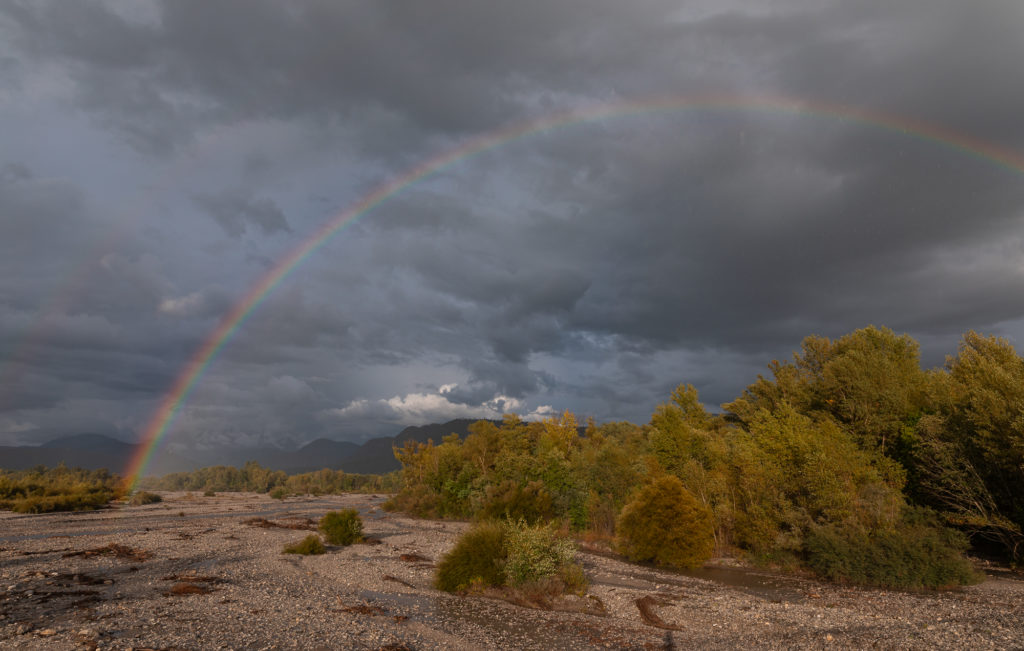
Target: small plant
{"type": "Point", "coordinates": [279, 493]}
{"type": "Point", "coordinates": [342, 527]}
{"type": "Point", "coordinates": [209, 493]}
{"type": "Point", "coordinates": [535, 553]}
{"type": "Point", "coordinates": [478, 558]}
{"type": "Point", "coordinates": [666, 524]}
{"type": "Point", "coordinates": [311, 544]}
{"type": "Point", "coordinates": [144, 497]}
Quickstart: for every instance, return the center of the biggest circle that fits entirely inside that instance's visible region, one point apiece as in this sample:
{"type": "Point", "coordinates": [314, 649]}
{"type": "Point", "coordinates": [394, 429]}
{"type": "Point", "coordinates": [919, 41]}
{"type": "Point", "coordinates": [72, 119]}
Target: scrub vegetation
{"type": "Point", "coordinates": [850, 460]}
{"type": "Point", "coordinates": [253, 477]}
{"type": "Point", "coordinates": [535, 561]}
{"type": "Point", "coordinates": [42, 490]}
{"type": "Point", "coordinates": [343, 527]}
{"type": "Point", "coordinates": [309, 545]}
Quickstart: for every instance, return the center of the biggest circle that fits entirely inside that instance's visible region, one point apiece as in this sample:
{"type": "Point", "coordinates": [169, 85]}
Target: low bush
{"type": "Point", "coordinates": [42, 490]}
{"type": "Point", "coordinates": [144, 497]}
{"type": "Point", "coordinates": [666, 524]}
{"type": "Point", "coordinates": [531, 559]}
{"type": "Point", "coordinates": [209, 493]}
{"type": "Point", "coordinates": [279, 493]}
{"type": "Point", "coordinates": [478, 559]}
{"type": "Point", "coordinates": [536, 553]}
{"type": "Point", "coordinates": [342, 527]}
{"type": "Point", "coordinates": [311, 544]}
{"type": "Point", "coordinates": [917, 553]}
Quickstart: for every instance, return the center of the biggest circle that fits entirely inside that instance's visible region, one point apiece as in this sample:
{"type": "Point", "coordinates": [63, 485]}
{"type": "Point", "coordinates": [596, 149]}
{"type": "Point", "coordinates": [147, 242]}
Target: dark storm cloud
{"type": "Point", "coordinates": [593, 266]}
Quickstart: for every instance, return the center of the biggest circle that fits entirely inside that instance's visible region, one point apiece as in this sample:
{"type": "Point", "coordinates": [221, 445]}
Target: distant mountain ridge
{"type": "Point", "coordinates": [95, 451]}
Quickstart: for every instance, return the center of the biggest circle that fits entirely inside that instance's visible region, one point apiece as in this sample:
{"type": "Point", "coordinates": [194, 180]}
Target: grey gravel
{"type": "Point", "coordinates": [359, 597]}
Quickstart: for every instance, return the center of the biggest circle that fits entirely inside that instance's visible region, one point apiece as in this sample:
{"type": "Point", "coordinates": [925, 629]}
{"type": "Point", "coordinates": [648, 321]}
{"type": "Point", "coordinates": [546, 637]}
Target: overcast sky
{"type": "Point", "coordinates": [158, 158]}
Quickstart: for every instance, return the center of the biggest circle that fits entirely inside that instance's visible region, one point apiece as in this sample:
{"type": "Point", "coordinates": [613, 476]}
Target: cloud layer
{"type": "Point", "coordinates": [159, 158]}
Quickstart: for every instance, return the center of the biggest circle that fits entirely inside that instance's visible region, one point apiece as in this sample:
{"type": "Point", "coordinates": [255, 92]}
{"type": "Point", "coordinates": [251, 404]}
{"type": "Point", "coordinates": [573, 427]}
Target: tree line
{"type": "Point", "coordinates": [252, 477]}
{"type": "Point", "coordinates": [849, 459]}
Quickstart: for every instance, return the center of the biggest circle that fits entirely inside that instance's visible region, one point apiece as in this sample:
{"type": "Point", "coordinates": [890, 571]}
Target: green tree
{"type": "Point", "coordinates": [664, 523]}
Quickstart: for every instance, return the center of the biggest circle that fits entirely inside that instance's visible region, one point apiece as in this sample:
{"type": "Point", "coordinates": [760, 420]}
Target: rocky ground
{"type": "Point", "coordinates": [196, 572]}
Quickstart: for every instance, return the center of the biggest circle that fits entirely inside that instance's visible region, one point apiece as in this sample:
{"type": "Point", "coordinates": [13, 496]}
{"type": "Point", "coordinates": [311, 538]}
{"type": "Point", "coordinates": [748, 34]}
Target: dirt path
{"type": "Point", "coordinates": [190, 573]}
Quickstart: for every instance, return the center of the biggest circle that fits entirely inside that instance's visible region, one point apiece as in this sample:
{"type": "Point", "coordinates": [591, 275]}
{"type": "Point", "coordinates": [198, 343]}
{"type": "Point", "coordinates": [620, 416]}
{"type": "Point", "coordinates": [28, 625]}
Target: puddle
{"type": "Point", "coordinates": [773, 587]}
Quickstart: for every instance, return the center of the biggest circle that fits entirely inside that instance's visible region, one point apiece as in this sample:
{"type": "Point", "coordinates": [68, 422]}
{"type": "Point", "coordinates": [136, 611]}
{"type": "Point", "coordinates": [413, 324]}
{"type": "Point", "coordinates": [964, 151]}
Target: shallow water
{"type": "Point", "coordinates": [773, 587]}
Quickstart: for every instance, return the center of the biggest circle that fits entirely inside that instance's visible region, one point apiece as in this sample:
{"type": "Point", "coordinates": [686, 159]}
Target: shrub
{"type": "Point", "coordinates": [531, 559]}
{"type": "Point", "coordinates": [342, 527]}
{"type": "Point", "coordinates": [535, 552]}
{"type": "Point", "coordinates": [510, 499]}
{"type": "Point", "coordinates": [666, 524]}
{"type": "Point", "coordinates": [209, 493]}
{"type": "Point", "coordinates": [144, 497]}
{"type": "Point", "coordinates": [309, 545]}
{"type": "Point", "coordinates": [279, 493]}
{"type": "Point", "coordinates": [917, 553]}
{"type": "Point", "coordinates": [478, 558]}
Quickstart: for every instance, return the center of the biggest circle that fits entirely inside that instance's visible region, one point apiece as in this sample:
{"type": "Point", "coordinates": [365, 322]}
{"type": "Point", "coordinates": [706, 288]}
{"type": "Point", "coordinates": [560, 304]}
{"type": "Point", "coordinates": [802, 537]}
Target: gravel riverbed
{"type": "Point", "coordinates": [192, 573]}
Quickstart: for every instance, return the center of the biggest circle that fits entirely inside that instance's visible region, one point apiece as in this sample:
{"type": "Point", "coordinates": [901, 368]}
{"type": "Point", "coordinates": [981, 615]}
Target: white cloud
{"type": "Point", "coordinates": [423, 408]}
{"type": "Point", "coordinates": [181, 306]}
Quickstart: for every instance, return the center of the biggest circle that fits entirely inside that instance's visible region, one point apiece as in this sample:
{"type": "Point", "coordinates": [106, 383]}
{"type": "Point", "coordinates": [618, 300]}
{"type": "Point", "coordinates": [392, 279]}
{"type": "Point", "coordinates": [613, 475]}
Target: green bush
{"type": "Point", "coordinates": [42, 490]}
{"type": "Point", "coordinates": [917, 553]}
{"type": "Point", "coordinates": [76, 501]}
{"type": "Point", "coordinates": [535, 552]}
{"type": "Point", "coordinates": [309, 545]}
{"type": "Point", "coordinates": [535, 559]}
{"type": "Point", "coordinates": [478, 558]}
{"type": "Point", "coordinates": [510, 499]}
{"type": "Point", "coordinates": [209, 493]}
{"type": "Point", "coordinates": [279, 493]}
{"type": "Point", "coordinates": [144, 497]}
{"type": "Point", "coordinates": [342, 527]}
{"type": "Point", "coordinates": [666, 524]}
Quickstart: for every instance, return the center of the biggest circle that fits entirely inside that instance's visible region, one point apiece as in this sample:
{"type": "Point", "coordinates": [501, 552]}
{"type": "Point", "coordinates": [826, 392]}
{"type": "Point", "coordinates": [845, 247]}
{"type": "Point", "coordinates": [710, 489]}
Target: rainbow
{"type": "Point", "coordinates": [190, 375]}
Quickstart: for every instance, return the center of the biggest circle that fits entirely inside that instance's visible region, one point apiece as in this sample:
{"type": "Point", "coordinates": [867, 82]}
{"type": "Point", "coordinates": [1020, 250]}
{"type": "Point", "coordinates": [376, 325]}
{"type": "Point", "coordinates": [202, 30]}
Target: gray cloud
{"type": "Point", "coordinates": [235, 214]}
{"type": "Point", "coordinates": [592, 266]}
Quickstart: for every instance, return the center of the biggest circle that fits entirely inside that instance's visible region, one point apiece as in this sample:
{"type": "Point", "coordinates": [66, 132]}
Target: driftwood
{"type": "Point", "coordinates": [647, 605]}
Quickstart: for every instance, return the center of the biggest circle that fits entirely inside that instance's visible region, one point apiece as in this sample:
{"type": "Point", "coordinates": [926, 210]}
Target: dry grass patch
{"type": "Point", "coordinates": [115, 550]}
{"type": "Point", "coordinates": [263, 523]}
{"type": "Point", "coordinates": [186, 588]}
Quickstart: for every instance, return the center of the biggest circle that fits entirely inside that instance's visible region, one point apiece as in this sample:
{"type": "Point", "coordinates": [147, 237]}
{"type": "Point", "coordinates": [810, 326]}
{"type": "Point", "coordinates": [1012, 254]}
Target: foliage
{"type": "Point", "coordinates": [530, 502]}
{"type": "Point", "coordinates": [311, 544]}
{"type": "Point", "coordinates": [42, 490]}
{"type": "Point", "coordinates": [252, 477]}
{"type": "Point", "coordinates": [664, 523]}
{"type": "Point", "coordinates": [279, 493]}
{"type": "Point", "coordinates": [851, 434]}
{"type": "Point", "coordinates": [535, 552]}
{"type": "Point", "coordinates": [515, 554]}
{"type": "Point", "coordinates": [342, 527]}
{"type": "Point", "coordinates": [916, 553]}
{"type": "Point", "coordinates": [144, 497]}
{"type": "Point", "coordinates": [477, 559]}
{"type": "Point", "coordinates": [970, 454]}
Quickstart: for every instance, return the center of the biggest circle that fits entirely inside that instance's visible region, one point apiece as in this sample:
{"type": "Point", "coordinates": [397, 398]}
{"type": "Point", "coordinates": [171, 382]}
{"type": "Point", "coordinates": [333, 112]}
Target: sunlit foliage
{"type": "Point", "coordinates": [253, 477]}
{"type": "Point", "coordinates": [830, 455]}
{"type": "Point", "coordinates": [42, 490]}
{"type": "Point", "coordinates": [666, 524]}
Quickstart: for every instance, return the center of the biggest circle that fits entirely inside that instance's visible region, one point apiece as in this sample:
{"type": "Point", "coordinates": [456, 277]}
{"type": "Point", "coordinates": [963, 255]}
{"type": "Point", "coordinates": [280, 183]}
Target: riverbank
{"type": "Point", "coordinates": [197, 572]}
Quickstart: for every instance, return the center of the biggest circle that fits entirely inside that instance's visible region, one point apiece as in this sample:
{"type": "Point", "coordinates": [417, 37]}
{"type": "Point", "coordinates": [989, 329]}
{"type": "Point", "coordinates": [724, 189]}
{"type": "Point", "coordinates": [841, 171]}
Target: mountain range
{"type": "Point", "coordinates": [94, 451]}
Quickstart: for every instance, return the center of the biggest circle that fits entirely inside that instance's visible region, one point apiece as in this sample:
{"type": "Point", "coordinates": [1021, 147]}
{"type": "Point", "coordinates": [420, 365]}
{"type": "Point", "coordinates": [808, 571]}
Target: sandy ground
{"type": "Point", "coordinates": [190, 573]}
